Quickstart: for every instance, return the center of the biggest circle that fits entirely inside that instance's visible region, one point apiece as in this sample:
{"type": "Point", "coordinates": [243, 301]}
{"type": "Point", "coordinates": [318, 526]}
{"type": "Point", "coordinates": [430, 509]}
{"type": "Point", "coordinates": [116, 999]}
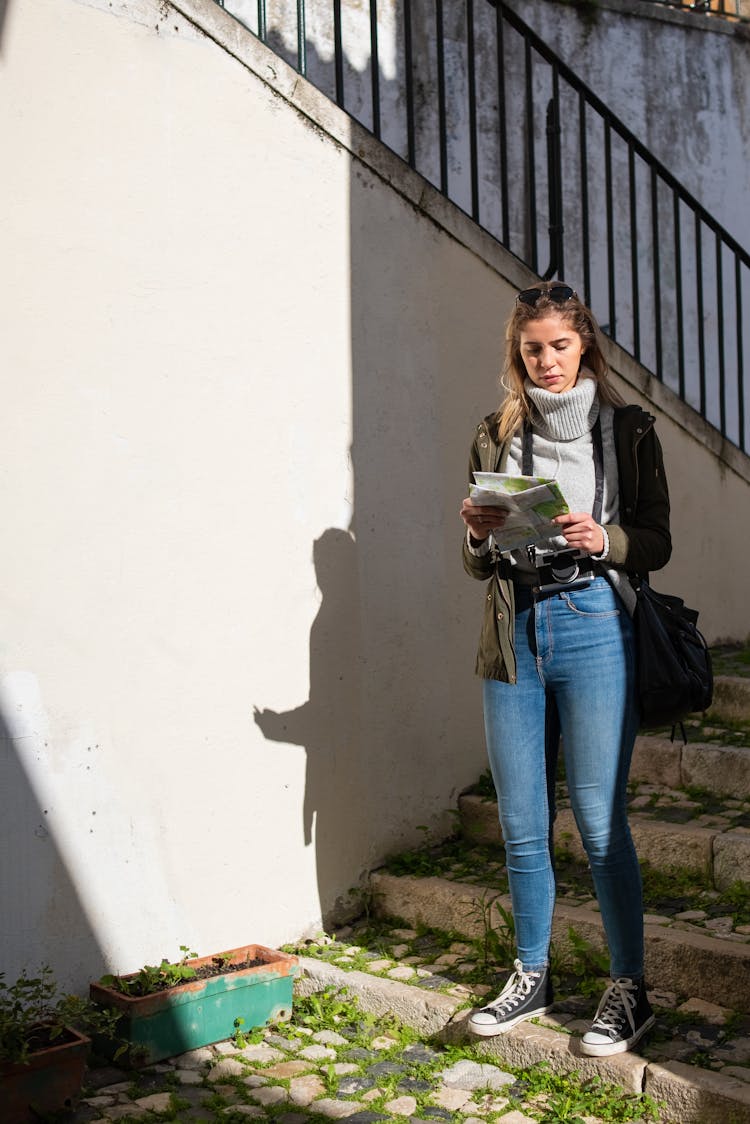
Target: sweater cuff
{"type": "Point", "coordinates": [478, 551]}
{"type": "Point", "coordinates": [604, 555]}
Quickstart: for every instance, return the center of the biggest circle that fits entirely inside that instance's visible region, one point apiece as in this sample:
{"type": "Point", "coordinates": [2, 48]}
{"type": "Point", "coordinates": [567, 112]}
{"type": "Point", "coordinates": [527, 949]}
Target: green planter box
{"type": "Point", "coordinates": [203, 1011]}
{"type": "Point", "coordinates": [48, 1083]}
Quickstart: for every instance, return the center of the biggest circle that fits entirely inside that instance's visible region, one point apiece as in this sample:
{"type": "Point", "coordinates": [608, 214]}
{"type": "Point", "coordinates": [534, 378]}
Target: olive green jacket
{"type": "Point", "coordinates": [641, 542]}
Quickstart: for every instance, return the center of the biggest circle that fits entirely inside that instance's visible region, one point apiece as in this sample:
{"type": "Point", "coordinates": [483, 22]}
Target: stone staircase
{"type": "Point", "coordinates": [690, 815]}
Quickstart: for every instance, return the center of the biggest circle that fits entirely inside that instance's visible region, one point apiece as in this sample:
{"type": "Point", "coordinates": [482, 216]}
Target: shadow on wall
{"type": "Point", "coordinates": [4, 5]}
{"type": "Point", "coordinates": [38, 895]}
{"type": "Point", "coordinates": [346, 726]}
{"type": "Point", "coordinates": [387, 718]}
{"type": "Point", "coordinates": [327, 725]}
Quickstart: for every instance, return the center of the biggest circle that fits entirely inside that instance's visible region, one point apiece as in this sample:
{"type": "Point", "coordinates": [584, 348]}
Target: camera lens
{"type": "Point", "coordinates": [567, 572]}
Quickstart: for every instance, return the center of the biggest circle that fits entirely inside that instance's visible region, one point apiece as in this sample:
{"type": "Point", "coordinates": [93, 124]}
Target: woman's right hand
{"type": "Point", "coordinates": [481, 520]}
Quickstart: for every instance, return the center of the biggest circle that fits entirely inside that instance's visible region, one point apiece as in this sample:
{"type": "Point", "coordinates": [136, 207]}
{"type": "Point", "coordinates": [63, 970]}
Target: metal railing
{"type": "Point", "coordinates": [728, 9]}
{"type": "Point", "coordinates": [477, 103]}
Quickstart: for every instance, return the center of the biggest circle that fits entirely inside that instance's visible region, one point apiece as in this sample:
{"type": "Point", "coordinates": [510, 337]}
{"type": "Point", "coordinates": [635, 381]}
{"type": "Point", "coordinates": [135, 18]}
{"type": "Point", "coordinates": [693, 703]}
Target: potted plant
{"type": "Point", "coordinates": [176, 1006]}
{"type": "Point", "coordinates": [42, 1047]}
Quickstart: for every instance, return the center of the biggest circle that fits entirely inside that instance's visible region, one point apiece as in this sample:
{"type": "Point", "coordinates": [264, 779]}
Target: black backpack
{"type": "Point", "coordinates": [675, 676]}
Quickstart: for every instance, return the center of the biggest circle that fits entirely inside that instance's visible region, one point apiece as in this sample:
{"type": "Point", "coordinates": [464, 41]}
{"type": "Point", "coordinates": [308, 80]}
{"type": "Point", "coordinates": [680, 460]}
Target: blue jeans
{"type": "Point", "coordinates": [575, 675]}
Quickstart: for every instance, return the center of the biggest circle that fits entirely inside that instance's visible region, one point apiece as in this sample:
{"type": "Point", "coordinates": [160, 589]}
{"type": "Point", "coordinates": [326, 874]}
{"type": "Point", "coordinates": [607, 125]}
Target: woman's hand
{"type": "Point", "coordinates": [580, 531]}
{"type": "Point", "coordinates": [481, 520]}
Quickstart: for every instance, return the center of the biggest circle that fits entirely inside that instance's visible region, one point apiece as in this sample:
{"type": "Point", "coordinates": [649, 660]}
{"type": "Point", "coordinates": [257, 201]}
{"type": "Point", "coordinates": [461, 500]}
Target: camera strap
{"type": "Point", "coordinates": [527, 463]}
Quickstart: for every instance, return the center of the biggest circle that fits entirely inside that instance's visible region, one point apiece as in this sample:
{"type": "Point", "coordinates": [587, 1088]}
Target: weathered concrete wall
{"type": "Point", "coordinates": [245, 349]}
{"type": "Point", "coordinates": [679, 81]}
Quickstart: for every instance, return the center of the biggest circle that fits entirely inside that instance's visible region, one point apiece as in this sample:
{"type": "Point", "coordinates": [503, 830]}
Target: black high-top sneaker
{"type": "Point", "coordinates": [525, 995]}
{"type": "Point", "coordinates": [622, 1017]}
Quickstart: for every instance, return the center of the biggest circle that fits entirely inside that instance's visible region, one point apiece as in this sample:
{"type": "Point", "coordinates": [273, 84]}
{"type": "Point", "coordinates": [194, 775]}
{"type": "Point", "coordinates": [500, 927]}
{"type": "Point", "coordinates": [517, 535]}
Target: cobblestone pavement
{"type": "Point", "coordinates": [321, 1075]}
{"type": "Point", "coordinates": [368, 1070]}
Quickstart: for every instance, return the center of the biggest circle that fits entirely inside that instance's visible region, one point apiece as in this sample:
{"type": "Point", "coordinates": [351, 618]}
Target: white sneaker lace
{"type": "Point", "coordinates": [517, 988]}
{"type": "Point", "coordinates": [616, 1007]}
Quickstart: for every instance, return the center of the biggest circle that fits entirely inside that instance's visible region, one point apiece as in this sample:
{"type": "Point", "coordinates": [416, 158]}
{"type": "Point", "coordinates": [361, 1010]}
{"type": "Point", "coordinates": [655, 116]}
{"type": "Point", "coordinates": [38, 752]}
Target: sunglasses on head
{"type": "Point", "coordinates": [557, 293]}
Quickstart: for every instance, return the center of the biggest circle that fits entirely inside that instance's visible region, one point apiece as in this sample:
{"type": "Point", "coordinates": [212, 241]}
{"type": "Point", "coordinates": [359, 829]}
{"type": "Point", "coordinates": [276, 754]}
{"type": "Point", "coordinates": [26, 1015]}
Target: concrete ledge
{"type": "Point", "coordinates": [660, 13]}
{"type": "Point", "coordinates": [479, 819]}
{"type": "Point", "coordinates": [426, 1012]}
{"type": "Point", "coordinates": [731, 858]}
{"type": "Point", "coordinates": [657, 761]}
{"type": "Point", "coordinates": [698, 1096]}
{"type": "Point", "coordinates": [674, 844]}
{"type": "Point", "coordinates": [724, 770]}
{"type": "Point", "coordinates": [721, 769]}
{"type": "Point", "coordinates": [662, 844]}
{"type": "Point", "coordinates": [731, 698]}
{"type": "Point", "coordinates": [688, 963]}
{"type": "Point", "coordinates": [529, 1043]}
{"type": "Point", "coordinates": [702, 966]}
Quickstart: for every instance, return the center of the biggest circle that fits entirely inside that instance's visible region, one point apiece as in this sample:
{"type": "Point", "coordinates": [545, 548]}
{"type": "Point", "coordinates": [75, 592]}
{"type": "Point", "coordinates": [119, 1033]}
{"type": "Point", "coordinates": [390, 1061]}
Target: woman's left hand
{"type": "Point", "coordinates": [581, 532]}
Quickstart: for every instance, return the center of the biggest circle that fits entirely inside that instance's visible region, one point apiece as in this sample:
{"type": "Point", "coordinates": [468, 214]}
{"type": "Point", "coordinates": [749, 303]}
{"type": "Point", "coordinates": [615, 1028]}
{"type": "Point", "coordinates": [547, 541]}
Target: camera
{"type": "Point", "coordinates": [561, 569]}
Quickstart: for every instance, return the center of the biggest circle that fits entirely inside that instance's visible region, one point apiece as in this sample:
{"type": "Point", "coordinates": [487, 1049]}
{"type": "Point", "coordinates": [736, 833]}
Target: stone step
{"type": "Point", "coordinates": [688, 1093]}
{"type": "Point", "coordinates": [720, 769]}
{"type": "Point", "coordinates": [688, 962]}
{"type": "Point", "coordinates": [716, 846]}
{"type": "Point", "coordinates": [731, 698]}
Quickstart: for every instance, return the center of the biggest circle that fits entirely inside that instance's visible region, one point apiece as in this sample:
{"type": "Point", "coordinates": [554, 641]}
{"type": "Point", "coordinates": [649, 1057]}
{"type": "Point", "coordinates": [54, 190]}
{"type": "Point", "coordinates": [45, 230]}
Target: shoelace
{"type": "Point", "coordinates": [617, 1006]}
{"type": "Point", "coordinates": [517, 988]}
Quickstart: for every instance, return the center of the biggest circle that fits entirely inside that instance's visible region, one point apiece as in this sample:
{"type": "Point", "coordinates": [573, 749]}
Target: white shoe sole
{"type": "Point", "coordinates": [605, 1049]}
{"type": "Point", "coordinates": [487, 1030]}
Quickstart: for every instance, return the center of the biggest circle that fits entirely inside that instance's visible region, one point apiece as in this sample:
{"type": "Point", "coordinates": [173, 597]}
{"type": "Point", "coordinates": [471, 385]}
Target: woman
{"type": "Point", "coordinates": [556, 652]}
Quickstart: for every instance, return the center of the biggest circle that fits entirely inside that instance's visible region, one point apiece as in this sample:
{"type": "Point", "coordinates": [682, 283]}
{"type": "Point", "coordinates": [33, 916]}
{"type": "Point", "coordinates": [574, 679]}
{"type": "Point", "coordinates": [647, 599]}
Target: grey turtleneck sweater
{"type": "Point", "coordinates": [563, 451]}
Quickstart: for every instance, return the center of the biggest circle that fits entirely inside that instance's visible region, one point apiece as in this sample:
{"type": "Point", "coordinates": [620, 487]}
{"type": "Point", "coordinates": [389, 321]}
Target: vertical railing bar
{"type": "Point", "coordinates": [375, 68]}
{"type": "Point", "coordinates": [720, 331]}
{"type": "Point", "coordinates": [442, 121]}
{"type": "Point", "coordinates": [338, 53]}
{"type": "Point", "coordinates": [503, 126]}
{"type": "Point", "coordinates": [740, 355]}
{"type": "Point", "coordinates": [302, 38]}
{"type": "Point", "coordinates": [560, 231]}
{"type": "Point", "coordinates": [701, 328]}
{"type": "Point", "coordinates": [634, 255]}
{"type": "Point", "coordinates": [584, 199]}
{"type": "Point", "coordinates": [473, 153]}
{"type": "Point", "coordinates": [657, 272]}
{"type": "Point", "coordinates": [678, 294]}
{"type": "Point", "coordinates": [531, 166]}
{"type": "Point", "coordinates": [262, 22]}
{"type": "Point", "coordinates": [612, 327]}
{"type": "Point", "coordinates": [408, 63]}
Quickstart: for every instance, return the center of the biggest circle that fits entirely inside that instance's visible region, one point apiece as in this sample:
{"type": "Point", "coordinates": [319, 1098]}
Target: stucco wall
{"type": "Point", "coordinates": [241, 375]}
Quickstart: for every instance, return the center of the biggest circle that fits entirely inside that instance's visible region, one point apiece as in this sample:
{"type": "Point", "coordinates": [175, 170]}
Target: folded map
{"type": "Point", "coordinates": [530, 503]}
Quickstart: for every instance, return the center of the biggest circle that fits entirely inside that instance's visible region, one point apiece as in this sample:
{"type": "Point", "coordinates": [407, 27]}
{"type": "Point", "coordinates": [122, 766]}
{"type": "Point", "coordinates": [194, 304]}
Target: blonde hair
{"type": "Point", "coordinates": [516, 407]}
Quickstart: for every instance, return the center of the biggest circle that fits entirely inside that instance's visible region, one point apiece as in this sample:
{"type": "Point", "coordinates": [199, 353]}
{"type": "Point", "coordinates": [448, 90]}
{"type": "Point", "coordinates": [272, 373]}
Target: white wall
{"type": "Point", "coordinates": [215, 499]}
{"type": "Point", "coordinates": [241, 376]}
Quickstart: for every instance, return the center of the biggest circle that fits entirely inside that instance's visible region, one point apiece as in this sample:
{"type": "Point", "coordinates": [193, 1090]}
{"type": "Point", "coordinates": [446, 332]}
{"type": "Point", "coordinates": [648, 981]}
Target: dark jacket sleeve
{"type": "Point", "coordinates": [642, 541]}
{"type": "Point", "coordinates": [482, 567]}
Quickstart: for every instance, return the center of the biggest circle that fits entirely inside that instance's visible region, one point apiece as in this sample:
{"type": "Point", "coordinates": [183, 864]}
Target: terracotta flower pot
{"type": "Point", "coordinates": [201, 1011]}
{"type": "Point", "coordinates": [48, 1082]}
